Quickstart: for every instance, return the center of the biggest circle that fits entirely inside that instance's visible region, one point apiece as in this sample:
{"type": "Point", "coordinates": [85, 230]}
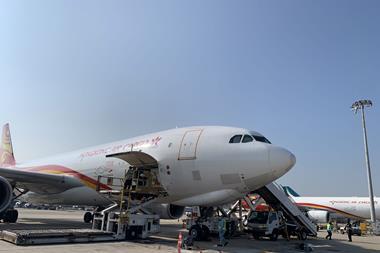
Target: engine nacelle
{"type": "Point", "coordinates": [167, 211]}
{"type": "Point", "coordinates": [6, 194]}
{"type": "Point", "coordinates": [319, 216]}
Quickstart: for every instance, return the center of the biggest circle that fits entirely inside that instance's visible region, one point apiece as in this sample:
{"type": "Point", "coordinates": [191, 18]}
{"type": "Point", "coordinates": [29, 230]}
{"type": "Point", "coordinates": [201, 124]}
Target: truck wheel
{"type": "Point", "coordinates": [196, 232]}
{"type": "Point", "coordinates": [274, 235]}
{"type": "Point", "coordinates": [302, 235]}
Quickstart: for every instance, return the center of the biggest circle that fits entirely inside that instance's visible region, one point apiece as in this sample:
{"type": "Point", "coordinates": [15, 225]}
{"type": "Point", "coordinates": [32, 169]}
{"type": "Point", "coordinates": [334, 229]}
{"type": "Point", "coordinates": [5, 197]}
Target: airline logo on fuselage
{"type": "Point", "coordinates": [360, 202]}
{"type": "Point", "coordinates": [147, 143]}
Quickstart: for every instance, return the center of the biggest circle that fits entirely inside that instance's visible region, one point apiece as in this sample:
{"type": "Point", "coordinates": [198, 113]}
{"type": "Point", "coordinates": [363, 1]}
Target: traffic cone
{"type": "Point", "coordinates": [179, 245]}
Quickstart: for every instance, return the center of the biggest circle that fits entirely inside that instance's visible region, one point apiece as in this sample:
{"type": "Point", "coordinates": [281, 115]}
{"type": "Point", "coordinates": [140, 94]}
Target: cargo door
{"type": "Point", "coordinates": [188, 148]}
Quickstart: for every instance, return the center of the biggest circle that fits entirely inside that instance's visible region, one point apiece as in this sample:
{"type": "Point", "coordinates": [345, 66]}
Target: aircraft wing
{"type": "Point", "coordinates": [37, 182]}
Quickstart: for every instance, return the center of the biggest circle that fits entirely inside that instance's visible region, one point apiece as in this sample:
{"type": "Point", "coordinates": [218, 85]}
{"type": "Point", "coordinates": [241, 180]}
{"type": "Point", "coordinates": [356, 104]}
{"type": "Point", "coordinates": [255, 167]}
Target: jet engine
{"type": "Point", "coordinates": [319, 216]}
{"type": "Point", "coordinates": [167, 211]}
{"type": "Point", "coordinates": [6, 194]}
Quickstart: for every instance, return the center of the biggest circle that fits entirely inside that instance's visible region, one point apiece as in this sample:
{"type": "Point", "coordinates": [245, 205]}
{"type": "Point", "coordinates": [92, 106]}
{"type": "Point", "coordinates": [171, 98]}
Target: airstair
{"type": "Point", "coordinates": [274, 195]}
{"type": "Point", "coordinates": [201, 224]}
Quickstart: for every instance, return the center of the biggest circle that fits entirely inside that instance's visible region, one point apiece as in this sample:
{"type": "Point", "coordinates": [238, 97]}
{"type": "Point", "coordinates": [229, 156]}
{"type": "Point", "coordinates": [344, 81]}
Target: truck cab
{"type": "Point", "coordinates": [264, 224]}
{"type": "Point", "coordinates": [271, 224]}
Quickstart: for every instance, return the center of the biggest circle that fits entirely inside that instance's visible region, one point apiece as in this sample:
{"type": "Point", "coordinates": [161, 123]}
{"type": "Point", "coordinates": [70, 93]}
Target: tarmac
{"type": "Point", "coordinates": [166, 240]}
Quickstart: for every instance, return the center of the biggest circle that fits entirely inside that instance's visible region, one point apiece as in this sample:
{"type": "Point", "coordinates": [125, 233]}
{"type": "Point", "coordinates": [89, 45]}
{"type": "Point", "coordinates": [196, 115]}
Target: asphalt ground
{"type": "Point", "coordinates": [166, 240]}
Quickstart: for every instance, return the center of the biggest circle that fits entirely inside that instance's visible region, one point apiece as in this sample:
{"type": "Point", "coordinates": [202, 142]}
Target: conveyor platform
{"type": "Point", "coordinates": [51, 236]}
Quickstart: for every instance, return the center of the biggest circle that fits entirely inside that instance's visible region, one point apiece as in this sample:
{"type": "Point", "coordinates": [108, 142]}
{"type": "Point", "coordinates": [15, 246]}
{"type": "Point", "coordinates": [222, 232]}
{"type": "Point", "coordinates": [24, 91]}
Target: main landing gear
{"type": "Point", "coordinates": [88, 217]}
{"type": "Point", "coordinates": [11, 215]}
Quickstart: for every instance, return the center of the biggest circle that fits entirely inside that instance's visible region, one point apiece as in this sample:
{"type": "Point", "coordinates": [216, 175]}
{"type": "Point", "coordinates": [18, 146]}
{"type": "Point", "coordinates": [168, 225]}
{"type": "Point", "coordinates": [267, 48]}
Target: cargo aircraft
{"type": "Point", "coordinates": [322, 209]}
{"type": "Point", "coordinates": [201, 165]}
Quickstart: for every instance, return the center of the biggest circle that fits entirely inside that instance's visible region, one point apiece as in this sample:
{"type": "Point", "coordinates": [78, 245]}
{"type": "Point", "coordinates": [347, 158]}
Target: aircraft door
{"type": "Point", "coordinates": [188, 148]}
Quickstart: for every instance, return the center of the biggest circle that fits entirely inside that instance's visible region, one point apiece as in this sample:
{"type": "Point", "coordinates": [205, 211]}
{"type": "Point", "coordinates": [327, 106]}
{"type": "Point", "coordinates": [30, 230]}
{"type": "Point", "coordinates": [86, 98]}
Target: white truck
{"type": "Point", "coordinates": [272, 224]}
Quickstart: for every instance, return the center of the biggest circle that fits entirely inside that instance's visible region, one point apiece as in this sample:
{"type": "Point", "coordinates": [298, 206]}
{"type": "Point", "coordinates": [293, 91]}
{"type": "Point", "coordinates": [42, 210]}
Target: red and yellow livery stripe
{"type": "Point", "coordinates": [327, 208]}
{"type": "Point", "coordinates": [58, 169]}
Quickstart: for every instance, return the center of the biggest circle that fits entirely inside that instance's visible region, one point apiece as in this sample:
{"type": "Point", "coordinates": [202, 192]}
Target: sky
{"type": "Point", "coordinates": [80, 73]}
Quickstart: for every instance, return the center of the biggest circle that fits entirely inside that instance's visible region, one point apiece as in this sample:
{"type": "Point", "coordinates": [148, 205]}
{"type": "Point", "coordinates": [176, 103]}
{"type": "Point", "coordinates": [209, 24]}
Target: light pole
{"type": "Point", "coordinates": [360, 105]}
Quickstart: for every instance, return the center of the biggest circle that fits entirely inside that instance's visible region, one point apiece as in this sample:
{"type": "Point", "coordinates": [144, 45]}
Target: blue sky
{"type": "Point", "coordinates": [79, 73]}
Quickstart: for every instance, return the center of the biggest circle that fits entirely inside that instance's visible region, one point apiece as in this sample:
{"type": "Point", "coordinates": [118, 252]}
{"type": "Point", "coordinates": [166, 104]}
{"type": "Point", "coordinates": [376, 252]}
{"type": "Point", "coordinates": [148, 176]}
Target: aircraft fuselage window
{"type": "Point", "coordinates": [236, 139]}
{"type": "Point", "coordinates": [247, 138]}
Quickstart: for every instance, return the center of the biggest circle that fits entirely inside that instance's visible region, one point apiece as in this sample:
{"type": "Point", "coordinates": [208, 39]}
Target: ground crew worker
{"type": "Point", "coordinates": [329, 230]}
{"type": "Point", "coordinates": [349, 231]}
{"type": "Point", "coordinates": [128, 183]}
{"type": "Point", "coordinates": [284, 226]}
{"type": "Point", "coordinates": [222, 231]}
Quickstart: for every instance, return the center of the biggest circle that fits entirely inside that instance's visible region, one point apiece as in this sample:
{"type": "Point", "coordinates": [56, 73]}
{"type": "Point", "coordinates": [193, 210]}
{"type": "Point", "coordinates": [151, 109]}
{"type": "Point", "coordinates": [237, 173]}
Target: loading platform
{"type": "Point", "coordinates": [52, 236]}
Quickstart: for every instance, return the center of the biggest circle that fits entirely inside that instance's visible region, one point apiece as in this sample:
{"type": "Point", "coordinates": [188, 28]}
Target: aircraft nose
{"type": "Point", "coordinates": [281, 160]}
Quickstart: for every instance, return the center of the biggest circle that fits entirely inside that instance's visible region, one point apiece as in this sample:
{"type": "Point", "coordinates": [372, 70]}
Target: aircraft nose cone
{"type": "Point", "coordinates": [292, 160]}
{"type": "Point", "coordinates": [281, 160]}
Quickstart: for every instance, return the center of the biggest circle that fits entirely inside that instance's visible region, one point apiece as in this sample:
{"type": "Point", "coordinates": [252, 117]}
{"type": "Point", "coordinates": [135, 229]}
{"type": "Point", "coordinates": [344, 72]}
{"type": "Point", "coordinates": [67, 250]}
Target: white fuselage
{"type": "Point", "coordinates": [197, 166]}
{"type": "Point", "coordinates": [350, 207]}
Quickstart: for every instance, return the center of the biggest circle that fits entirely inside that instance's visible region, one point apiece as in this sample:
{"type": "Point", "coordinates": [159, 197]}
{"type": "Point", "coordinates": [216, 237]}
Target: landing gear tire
{"type": "Point", "coordinates": [88, 217]}
{"type": "Point", "coordinates": [10, 216]}
{"type": "Point", "coordinates": [196, 232]}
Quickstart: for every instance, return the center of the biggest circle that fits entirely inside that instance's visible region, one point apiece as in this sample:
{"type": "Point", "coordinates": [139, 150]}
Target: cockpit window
{"type": "Point", "coordinates": [247, 138]}
{"type": "Point", "coordinates": [236, 139]}
{"type": "Point", "coordinates": [261, 139]}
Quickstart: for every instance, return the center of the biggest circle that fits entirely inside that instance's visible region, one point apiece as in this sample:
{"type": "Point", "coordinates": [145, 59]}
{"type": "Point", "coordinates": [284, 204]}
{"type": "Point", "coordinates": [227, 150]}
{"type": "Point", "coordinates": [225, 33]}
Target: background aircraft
{"type": "Point", "coordinates": [322, 209]}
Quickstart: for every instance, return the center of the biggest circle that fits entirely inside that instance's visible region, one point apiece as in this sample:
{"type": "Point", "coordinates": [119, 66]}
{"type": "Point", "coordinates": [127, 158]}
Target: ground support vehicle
{"type": "Point", "coordinates": [201, 227]}
{"type": "Point", "coordinates": [272, 224]}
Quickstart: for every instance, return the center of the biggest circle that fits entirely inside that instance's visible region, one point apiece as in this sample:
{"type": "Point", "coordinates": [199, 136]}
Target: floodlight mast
{"type": "Point", "coordinates": [360, 105]}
